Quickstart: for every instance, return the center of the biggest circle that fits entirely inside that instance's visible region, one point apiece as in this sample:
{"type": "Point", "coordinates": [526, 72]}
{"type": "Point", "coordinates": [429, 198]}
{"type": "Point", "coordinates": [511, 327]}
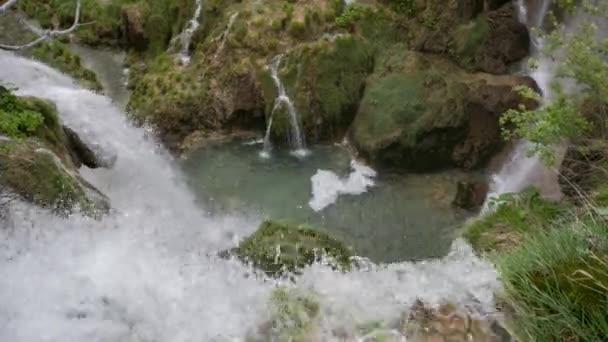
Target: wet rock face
{"type": "Point", "coordinates": [449, 323]}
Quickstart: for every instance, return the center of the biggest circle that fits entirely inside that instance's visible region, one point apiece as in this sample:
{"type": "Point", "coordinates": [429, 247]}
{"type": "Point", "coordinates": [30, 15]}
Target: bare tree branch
{"type": "Point", "coordinates": [44, 35]}
{"type": "Point", "coordinates": [7, 6]}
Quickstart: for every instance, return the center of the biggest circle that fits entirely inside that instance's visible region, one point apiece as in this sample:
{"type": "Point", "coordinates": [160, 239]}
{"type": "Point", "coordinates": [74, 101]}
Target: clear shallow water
{"type": "Point", "coordinates": [148, 271]}
{"type": "Point", "coordinates": [401, 217]}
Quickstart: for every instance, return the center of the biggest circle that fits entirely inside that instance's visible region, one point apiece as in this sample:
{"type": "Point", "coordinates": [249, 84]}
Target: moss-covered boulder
{"type": "Point", "coordinates": [37, 175]}
{"type": "Point", "coordinates": [37, 160]}
{"type": "Point", "coordinates": [325, 80]}
{"type": "Point", "coordinates": [278, 247]}
{"type": "Point", "coordinates": [424, 113]}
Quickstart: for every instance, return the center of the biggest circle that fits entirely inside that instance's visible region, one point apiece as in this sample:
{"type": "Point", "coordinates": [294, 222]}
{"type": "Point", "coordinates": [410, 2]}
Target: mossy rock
{"type": "Point", "coordinates": [59, 56]}
{"type": "Point", "coordinates": [477, 35]}
{"type": "Point", "coordinates": [510, 219]}
{"type": "Point", "coordinates": [424, 113]}
{"type": "Point", "coordinates": [278, 247]}
{"type": "Point", "coordinates": [325, 80]}
{"type": "Point", "coordinates": [37, 160]}
{"type": "Point", "coordinates": [34, 173]}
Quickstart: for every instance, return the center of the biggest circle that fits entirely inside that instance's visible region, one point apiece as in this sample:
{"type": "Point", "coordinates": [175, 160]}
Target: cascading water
{"type": "Point", "coordinates": [296, 139]}
{"type": "Point", "coordinates": [522, 170]}
{"type": "Point", "coordinates": [186, 35]}
{"type": "Point", "coordinates": [224, 35]}
{"type": "Point", "coordinates": [148, 271]}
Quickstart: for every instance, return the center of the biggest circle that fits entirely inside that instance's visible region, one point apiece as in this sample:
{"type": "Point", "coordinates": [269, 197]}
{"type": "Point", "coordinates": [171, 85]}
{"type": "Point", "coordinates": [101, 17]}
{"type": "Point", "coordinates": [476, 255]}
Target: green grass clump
{"type": "Point", "coordinates": [59, 56]}
{"type": "Point", "coordinates": [278, 247]}
{"type": "Point", "coordinates": [511, 218]}
{"type": "Point", "coordinates": [556, 282]}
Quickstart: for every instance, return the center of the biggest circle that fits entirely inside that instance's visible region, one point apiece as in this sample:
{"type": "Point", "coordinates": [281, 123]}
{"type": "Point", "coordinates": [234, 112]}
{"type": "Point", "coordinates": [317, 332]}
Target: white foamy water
{"type": "Point", "coordinates": [147, 272]}
{"type": "Point", "coordinates": [191, 27]}
{"type": "Point", "coordinates": [327, 186]}
{"type": "Point", "coordinates": [296, 138]}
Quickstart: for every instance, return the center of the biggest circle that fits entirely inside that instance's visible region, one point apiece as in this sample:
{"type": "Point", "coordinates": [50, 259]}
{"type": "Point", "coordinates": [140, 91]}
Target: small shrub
{"type": "Point", "coordinates": [352, 14]}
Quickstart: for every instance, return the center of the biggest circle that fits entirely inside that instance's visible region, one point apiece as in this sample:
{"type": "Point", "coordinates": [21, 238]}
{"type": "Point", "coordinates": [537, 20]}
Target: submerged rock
{"type": "Point", "coordinates": [278, 247]}
{"type": "Point", "coordinates": [295, 317]}
{"type": "Point", "coordinates": [450, 323]}
{"type": "Point", "coordinates": [470, 194]}
{"type": "Point", "coordinates": [424, 113]}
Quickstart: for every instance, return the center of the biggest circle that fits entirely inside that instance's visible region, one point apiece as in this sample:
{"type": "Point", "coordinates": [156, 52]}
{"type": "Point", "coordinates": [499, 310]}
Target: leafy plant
{"type": "Point", "coordinates": [583, 63]}
{"type": "Point", "coordinates": [16, 120]}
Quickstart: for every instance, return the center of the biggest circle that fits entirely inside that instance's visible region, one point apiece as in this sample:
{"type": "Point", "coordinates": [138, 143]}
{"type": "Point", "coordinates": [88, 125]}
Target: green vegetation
{"type": "Point", "coordinates": [567, 116]}
{"type": "Point", "coordinates": [278, 247]}
{"type": "Point", "coordinates": [59, 56]}
{"type": "Point", "coordinates": [16, 120]}
{"type": "Point", "coordinates": [512, 216]}
{"type": "Point", "coordinates": [162, 19]}
{"type": "Point", "coordinates": [294, 314]}
{"type": "Point", "coordinates": [352, 14]}
{"type": "Point", "coordinates": [35, 162]}
{"type": "Point", "coordinates": [556, 282]}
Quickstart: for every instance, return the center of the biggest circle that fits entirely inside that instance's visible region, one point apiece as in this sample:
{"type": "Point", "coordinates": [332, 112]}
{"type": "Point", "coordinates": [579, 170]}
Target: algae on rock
{"type": "Point", "coordinates": [278, 247]}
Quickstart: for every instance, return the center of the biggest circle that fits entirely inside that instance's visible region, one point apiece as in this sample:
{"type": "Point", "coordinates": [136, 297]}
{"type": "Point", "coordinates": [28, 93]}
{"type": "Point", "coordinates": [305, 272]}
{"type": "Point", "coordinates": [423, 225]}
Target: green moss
{"type": "Point", "coordinates": [16, 118]}
{"type": "Point", "coordinates": [37, 176]}
{"type": "Point", "coordinates": [389, 103]}
{"type": "Point", "coordinates": [278, 246]}
{"type": "Point", "coordinates": [325, 93]}
{"type": "Point", "coordinates": [512, 217]}
{"type": "Point", "coordinates": [59, 56]}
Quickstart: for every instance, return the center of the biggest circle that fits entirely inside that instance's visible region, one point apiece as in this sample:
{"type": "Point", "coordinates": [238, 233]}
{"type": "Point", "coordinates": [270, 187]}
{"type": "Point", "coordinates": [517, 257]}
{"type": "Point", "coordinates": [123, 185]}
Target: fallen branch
{"type": "Point", "coordinates": [44, 34]}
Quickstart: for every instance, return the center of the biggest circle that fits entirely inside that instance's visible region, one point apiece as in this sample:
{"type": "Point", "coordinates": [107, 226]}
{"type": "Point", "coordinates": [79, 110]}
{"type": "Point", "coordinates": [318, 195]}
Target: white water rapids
{"type": "Point", "coordinates": [147, 272]}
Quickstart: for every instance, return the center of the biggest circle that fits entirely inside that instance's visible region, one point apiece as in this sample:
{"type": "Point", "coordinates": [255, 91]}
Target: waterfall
{"type": "Point", "coordinates": [148, 271]}
{"type": "Point", "coordinates": [186, 35]}
{"type": "Point", "coordinates": [224, 35]}
{"type": "Point", "coordinates": [296, 139]}
{"type": "Point", "coordinates": [522, 170]}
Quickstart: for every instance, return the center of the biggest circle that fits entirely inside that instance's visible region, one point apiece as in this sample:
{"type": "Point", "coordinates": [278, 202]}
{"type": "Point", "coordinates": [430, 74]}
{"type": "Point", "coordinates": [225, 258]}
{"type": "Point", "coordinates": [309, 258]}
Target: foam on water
{"type": "Point", "coordinates": [327, 186]}
{"type": "Point", "coordinates": [148, 271]}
